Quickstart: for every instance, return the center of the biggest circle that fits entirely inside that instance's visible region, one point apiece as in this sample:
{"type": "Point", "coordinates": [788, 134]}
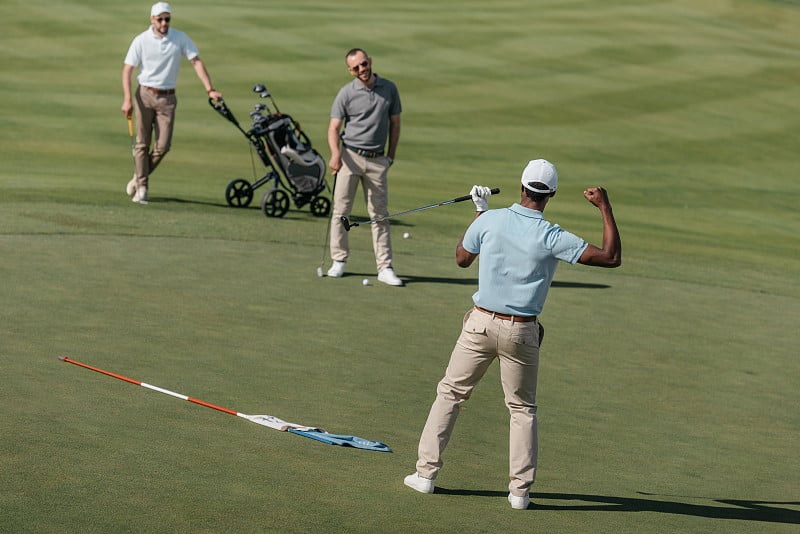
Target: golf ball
{"type": "Point", "coordinates": [319, 272]}
{"type": "Point", "coordinates": [406, 235]}
{"type": "Point", "coordinates": [365, 282]}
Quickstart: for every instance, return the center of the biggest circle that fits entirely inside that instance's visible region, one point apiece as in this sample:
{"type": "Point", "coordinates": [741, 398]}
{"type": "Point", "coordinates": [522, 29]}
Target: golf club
{"type": "Point", "coordinates": [265, 420]}
{"type": "Point", "coordinates": [348, 224]}
{"type": "Point", "coordinates": [320, 271]}
{"type": "Point", "coordinates": [130, 132]}
{"type": "Point", "coordinates": [263, 92]}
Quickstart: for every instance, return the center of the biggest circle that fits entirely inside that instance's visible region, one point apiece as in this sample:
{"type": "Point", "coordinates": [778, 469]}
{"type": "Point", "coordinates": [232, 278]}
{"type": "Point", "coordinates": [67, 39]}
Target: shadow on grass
{"type": "Point", "coordinates": [579, 285]}
{"type": "Point", "coordinates": [411, 279]}
{"type": "Point", "coordinates": [743, 510]}
{"type": "Point", "coordinates": [474, 281]}
{"type": "Point", "coordinates": [291, 215]}
{"type": "Point", "coordinates": [174, 200]}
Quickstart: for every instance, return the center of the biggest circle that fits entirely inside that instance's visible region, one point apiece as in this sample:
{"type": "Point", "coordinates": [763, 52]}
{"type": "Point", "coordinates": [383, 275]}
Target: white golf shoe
{"type": "Point", "coordinates": [131, 187]}
{"type": "Point", "coordinates": [141, 195]}
{"type": "Point", "coordinates": [416, 482]}
{"type": "Point", "coordinates": [337, 269]}
{"type": "Point", "coordinates": [519, 503]}
{"type": "Point", "coordinates": [387, 276]}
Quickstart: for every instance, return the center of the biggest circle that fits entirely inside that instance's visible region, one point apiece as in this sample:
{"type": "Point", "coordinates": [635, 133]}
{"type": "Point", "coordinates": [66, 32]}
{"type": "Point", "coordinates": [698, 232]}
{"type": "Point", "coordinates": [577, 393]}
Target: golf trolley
{"type": "Point", "coordinates": [285, 150]}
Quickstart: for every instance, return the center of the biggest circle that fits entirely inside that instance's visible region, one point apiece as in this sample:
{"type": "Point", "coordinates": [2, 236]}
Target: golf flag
{"type": "Point", "coordinates": [345, 441]}
{"type": "Point", "coordinates": [265, 420]}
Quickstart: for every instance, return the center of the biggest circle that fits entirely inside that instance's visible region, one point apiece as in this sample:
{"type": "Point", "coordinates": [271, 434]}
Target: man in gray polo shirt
{"type": "Point", "coordinates": [363, 135]}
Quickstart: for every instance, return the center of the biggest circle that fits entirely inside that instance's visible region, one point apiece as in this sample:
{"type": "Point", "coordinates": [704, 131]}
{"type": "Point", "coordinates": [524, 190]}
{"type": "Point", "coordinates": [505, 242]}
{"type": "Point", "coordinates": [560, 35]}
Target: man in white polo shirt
{"type": "Point", "coordinates": [158, 51]}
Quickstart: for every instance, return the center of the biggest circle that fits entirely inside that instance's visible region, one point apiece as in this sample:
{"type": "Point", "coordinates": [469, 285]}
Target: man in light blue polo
{"type": "Point", "coordinates": [158, 51]}
{"type": "Point", "coordinates": [519, 253]}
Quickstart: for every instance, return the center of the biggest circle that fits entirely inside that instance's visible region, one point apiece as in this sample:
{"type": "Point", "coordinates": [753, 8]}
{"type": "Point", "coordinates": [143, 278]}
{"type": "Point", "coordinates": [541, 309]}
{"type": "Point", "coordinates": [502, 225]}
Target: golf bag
{"type": "Point", "coordinates": [293, 166]}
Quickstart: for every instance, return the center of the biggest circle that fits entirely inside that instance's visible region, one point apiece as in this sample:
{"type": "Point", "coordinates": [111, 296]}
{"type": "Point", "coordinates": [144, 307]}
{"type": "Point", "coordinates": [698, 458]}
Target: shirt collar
{"type": "Point", "coordinates": [357, 83]}
{"type": "Point", "coordinates": [526, 212]}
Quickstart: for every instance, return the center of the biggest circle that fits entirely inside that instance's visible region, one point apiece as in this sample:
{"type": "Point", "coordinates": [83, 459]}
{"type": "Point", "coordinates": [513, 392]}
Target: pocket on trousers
{"type": "Point", "coordinates": [473, 331]}
{"type": "Point", "coordinates": [528, 334]}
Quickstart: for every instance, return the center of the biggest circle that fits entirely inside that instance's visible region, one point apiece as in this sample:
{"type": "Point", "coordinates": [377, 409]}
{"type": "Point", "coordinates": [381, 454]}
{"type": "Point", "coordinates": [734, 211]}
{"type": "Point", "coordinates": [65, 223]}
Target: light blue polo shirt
{"type": "Point", "coordinates": [160, 57]}
{"type": "Point", "coordinates": [519, 252]}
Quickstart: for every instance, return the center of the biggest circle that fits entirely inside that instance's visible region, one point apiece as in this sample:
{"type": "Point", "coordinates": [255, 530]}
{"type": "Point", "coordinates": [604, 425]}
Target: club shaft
{"type": "Point", "coordinates": [148, 386]}
{"type": "Point", "coordinates": [495, 191]}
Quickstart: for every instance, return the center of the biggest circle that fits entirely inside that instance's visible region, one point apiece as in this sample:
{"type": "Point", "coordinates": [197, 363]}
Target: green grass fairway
{"type": "Point", "coordinates": [668, 388]}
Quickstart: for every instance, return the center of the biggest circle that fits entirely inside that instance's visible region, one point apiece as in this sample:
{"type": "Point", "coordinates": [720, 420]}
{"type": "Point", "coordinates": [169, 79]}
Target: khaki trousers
{"type": "Point", "coordinates": [371, 173]}
{"type": "Point", "coordinates": [154, 114]}
{"type": "Point", "coordinates": [483, 339]}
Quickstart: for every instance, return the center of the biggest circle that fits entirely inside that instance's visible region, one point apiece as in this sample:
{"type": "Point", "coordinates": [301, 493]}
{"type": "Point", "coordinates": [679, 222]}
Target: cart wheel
{"type": "Point", "coordinates": [239, 194]}
{"type": "Point", "coordinates": [320, 207]}
{"type": "Point", "coordinates": [275, 203]}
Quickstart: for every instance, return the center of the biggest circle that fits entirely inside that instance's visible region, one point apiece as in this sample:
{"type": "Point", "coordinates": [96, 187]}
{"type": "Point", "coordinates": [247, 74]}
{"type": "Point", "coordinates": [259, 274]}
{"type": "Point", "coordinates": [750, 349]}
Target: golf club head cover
{"type": "Point", "coordinates": [480, 197]}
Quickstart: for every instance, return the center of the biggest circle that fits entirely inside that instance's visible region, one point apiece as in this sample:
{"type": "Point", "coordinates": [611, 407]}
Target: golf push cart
{"type": "Point", "coordinates": [293, 166]}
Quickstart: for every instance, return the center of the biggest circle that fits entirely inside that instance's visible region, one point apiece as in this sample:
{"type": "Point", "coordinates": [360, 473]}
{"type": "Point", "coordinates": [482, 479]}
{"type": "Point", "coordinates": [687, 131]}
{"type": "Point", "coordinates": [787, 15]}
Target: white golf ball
{"type": "Point", "coordinates": [319, 272]}
{"type": "Point", "coordinates": [406, 235]}
{"type": "Point", "coordinates": [365, 282]}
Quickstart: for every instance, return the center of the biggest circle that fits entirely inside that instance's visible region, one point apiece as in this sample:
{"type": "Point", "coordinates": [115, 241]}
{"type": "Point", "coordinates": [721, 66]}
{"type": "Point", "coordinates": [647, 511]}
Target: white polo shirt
{"type": "Point", "coordinates": [160, 58]}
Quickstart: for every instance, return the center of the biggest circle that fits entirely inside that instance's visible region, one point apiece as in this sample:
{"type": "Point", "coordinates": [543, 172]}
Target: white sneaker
{"type": "Point", "coordinates": [131, 187]}
{"type": "Point", "coordinates": [387, 276]}
{"type": "Point", "coordinates": [416, 482]}
{"type": "Point", "coordinates": [337, 269]}
{"type": "Point", "coordinates": [141, 195]}
{"type": "Point", "coordinates": [519, 503]}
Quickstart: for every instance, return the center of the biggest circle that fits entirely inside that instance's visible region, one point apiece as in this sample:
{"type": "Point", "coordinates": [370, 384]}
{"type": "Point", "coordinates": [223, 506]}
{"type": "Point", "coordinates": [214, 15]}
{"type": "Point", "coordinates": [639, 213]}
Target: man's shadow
{"type": "Point", "coordinates": [474, 282]}
{"type": "Point", "coordinates": [743, 510]}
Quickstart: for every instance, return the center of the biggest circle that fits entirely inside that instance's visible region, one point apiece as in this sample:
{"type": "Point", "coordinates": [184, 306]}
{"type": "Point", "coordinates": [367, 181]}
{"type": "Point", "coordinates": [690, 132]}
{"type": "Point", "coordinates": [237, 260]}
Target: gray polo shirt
{"type": "Point", "coordinates": [365, 112]}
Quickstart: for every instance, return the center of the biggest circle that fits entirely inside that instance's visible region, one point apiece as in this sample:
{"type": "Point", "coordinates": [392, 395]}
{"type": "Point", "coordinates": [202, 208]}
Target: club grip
{"type": "Point", "coordinates": [494, 191]}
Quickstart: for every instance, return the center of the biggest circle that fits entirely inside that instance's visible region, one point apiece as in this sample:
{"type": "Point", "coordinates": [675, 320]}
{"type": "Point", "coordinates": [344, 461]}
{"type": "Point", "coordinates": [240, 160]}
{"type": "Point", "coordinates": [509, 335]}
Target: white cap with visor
{"type": "Point", "coordinates": [543, 173]}
{"type": "Point", "coordinates": [159, 8]}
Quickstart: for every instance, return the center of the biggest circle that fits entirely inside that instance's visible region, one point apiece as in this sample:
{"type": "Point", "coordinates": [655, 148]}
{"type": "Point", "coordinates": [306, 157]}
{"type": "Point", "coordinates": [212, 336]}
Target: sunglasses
{"type": "Point", "coordinates": [163, 19]}
{"type": "Point", "coordinates": [360, 66]}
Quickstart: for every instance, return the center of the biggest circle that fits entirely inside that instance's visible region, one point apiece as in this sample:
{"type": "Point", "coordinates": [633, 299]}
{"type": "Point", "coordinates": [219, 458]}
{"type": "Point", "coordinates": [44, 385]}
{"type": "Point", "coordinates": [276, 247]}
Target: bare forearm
{"type": "Point", "coordinates": [202, 73]}
{"type": "Point", "coordinates": [333, 141]}
{"type": "Point", "coordinates": [464, 258]}
{"type": "Point", "coordinates": [394, 136]}
{"type": "Point", "coordinates": [127, 103]}
{"type": "Point", "coordinates": [612, 244]}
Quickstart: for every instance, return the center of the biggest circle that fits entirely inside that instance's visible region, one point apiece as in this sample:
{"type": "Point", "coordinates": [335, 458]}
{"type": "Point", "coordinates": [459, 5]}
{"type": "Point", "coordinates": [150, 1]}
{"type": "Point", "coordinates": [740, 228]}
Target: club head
{"type": "Point", "coordinates": [347, 224]}
{"type": "Point", "coordinates": [262, 91]}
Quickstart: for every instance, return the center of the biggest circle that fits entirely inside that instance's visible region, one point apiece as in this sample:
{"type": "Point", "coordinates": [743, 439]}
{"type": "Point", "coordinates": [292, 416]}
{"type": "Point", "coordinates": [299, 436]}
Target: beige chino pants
{"type": "Point", "coordinates": [516, 346]}
{"type": "Point", "coordinates": [371, 173]}
{"type": "Point", "coordinates": [154, 114]}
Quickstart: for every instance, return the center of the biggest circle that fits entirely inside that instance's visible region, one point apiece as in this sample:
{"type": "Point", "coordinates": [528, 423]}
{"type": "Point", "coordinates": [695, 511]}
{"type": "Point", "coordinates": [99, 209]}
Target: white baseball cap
{"type": "Point", "coordinates": [543, 172]}
{"type": "Point", "coordinates": [159, 8]}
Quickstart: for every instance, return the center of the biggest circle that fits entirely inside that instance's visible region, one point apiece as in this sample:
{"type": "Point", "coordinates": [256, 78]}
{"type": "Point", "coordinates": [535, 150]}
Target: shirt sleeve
{"type": "Point", "coordinates": [472, 237]}
{"type": "Point", "coordinates": [564, 245]}
{"type": "Point", "coordinates": [189, 48]}
{"type": "Point", "coordinates": [134, 55]}
{"type": "Point", "coordinates": [396, 106]}
{"type": "Point", "coordinates": [338, 110]}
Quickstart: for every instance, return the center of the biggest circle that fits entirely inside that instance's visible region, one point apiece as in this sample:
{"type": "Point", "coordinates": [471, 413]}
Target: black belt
{"type": "Point", "coordinates": [158, 91]}
{"type": "Point", "coordinates": [512, 318]}
{"type": "Point", "coordinates": [364, 153]}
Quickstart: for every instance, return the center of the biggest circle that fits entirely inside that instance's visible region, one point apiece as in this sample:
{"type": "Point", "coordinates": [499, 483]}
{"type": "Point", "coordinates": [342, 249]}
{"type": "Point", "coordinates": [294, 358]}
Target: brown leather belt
{"type": "Point", "coordinates": [158, 91]}
{"type": "Point", "coordinates": [512, 318]}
